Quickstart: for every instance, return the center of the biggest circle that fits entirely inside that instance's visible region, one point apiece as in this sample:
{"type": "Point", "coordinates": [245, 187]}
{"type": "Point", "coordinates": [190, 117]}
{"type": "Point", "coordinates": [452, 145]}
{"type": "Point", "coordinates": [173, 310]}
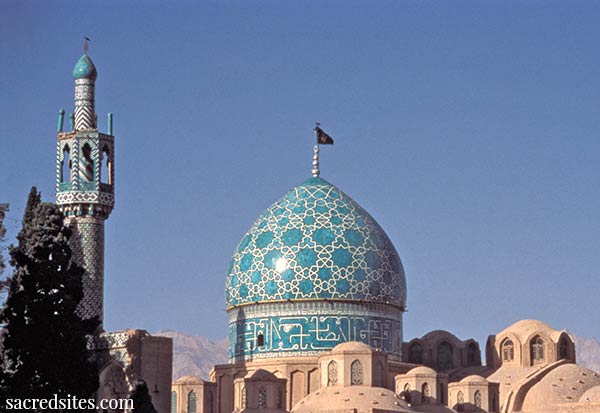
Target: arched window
{"type": "Point", "coordinates": [564, 348]}
{"type": "Point", "coordinates": [105, 176]}
{"type": "Point", "coordinates": [262, 397]}
{"type": "Point", "coordinates": [415, 353]}
{"type": "Point", "coordinates": [537, 350]}
{"type": "Point", "coordinates": [444, 356]}
{"type": "Point", "coordinates": [508, 350]}
{"type": "Point", "coordinates": [332, 373]}
{"type": "Point", "coordinates": [460, 400]}
{"type": "Point", "coordinates": [472, 354]}
{"type": "Point", "coordinates": [478, 399]}
{"type": "Point", "coordinates": [191, 402]}
{"type": "Point", "coordinates": [86, 170]}
{"type": "Point", "coordinates": [260, 340]}
{"type": "Point", "coordinates": [425, 393]}
{"type": "Point", "coordinates": [173, 402]}
{"type": "Point", "coordinates": [406, 393]}
{"type": "Point", "coordinates": [356, 371]}
{"type": "Point", "coordinates": [65, 172]}
{"type": "Point", "coordinates": [378, 378]}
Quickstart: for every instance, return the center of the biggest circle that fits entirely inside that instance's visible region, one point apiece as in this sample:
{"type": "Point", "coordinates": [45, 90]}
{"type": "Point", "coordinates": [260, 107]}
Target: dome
{"type": "Point", "coordinates": [566, 383]}
{"type": "Point", "coordinates": [473, 378]}
{"type": "Point", "coordinates": [315, 243]}
{"type": "Point", "coordinates": [422, 370]}
{"type": "Point", "coordinates": [85, 69]}
{"type": "Point", "coordinates": [352, 398]}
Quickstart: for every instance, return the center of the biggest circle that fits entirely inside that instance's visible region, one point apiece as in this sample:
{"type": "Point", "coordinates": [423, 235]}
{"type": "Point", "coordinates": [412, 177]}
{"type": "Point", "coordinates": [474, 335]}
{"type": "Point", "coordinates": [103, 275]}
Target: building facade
{"type": "Point", "coordinates": [315, 295]}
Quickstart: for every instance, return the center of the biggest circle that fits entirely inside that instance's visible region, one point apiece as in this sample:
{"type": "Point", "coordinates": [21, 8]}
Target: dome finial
{"type": "Point", "coordinates": [315, 170]}
{"type": "Point", "coordinates": [86, 44]}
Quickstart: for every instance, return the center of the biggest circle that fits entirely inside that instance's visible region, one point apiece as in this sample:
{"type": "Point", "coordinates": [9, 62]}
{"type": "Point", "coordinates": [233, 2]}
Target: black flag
{"type": "Point", "coordinates": [322, 137]}
{"type": "Point", "coordinates": [85, 43]}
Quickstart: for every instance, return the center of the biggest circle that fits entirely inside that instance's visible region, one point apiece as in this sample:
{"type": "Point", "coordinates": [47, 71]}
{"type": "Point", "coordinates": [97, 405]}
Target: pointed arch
{"type": "Point", "coordinates": [478, 399]}
{"type": "Point", "coordinates": [425, 392]}
{"type": "Point", "coordinates": [65, 169]}
{"type": "Point", "coordinates": [415, 353]}
{"type": "Point", "coordinates": [445, 356]}
{"type": "Point", "coordinates": [536, 350]}
{"type": "Point", "coordinates": [86, 167]}
{"type": "Point", "coordinates": [507, 350]}
{"type": "Point", "coordinates": [191, 402]}
{"type": "Point", "coordinates": [332, 373]}
{"type": "Point", "coordinates": [105, 166]}
{"type": "Point", "coordinates": [406, 393]}
{"type": "Point", "coordinates": [356, 371]}
{"type": "Point", "coordinates": [173, 402]}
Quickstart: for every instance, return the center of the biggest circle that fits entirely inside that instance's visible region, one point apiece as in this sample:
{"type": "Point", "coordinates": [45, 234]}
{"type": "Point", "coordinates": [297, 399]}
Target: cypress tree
{"type": "Point", "coordinates": [44, 341]}
{"type": "Point", "coordinates": [142, 402]}
{"type": "Point", "coordinates": [3, 210]}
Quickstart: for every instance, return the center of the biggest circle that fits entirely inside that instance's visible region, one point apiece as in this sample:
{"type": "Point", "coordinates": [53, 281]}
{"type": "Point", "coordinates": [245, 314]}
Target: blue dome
{"type": "Point", "coordinates": [315, 243]}
{"type": "Point", "coordinates": [85, 69]}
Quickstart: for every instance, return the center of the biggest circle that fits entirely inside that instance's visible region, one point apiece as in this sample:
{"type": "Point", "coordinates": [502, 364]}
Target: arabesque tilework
{"type": "Point", "coordinates": [315, 243]}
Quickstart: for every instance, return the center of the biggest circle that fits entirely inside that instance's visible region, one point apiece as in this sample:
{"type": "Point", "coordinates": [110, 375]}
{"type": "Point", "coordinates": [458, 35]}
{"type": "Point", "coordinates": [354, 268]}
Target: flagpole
{"type": "Point", "coordinates": [315, 164]}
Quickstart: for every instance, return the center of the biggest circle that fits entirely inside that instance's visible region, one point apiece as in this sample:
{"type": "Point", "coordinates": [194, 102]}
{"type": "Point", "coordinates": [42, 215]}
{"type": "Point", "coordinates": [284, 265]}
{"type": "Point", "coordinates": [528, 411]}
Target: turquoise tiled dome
{"type": "Point", "coordinates": [315, 243]}
{"type": "Point", "coordinates": [85, 69]}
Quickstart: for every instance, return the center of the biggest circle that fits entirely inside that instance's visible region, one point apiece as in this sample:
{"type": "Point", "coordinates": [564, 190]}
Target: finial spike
{"type": "Point", "coordinates": [315, 164]}
{"type": "Point", "coordinates": [85, 44]}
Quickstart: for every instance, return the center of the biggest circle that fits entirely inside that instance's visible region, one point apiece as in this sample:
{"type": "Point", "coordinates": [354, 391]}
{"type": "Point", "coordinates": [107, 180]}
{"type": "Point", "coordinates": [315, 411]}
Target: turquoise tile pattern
{"type": "Point", "coordinates": [315, 243]}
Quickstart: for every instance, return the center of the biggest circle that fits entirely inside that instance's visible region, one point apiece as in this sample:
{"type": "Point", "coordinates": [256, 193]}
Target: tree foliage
{"type": "Point", "coordinates": [44, 342]}
{"type": "Point", "coordinates": [3, 210]}
{"type": "Point", "coordinates": [142, 402]}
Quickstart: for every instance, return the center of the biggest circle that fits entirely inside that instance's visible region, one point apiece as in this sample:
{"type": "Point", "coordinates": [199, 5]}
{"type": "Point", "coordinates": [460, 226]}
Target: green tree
{"type": "Point", "coordinates": [44, 342]}
{"type": "Point", "coordinates": [142, 402]}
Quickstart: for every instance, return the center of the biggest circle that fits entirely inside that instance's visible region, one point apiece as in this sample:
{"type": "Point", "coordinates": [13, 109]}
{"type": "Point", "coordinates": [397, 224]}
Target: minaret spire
{"type": "Point", "coordinates": [85, 75]}
{"type": "Point", "coordinates": [85, 185]}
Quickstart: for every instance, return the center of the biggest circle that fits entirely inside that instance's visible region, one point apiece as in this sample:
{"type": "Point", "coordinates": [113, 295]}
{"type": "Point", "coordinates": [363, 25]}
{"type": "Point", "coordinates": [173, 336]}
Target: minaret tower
{"type": "Point", "coordinates": [85, 184]}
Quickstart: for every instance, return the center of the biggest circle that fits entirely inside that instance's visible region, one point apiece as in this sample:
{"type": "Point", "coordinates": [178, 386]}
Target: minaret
{"type": "Point", "coordinates": [85, 184]}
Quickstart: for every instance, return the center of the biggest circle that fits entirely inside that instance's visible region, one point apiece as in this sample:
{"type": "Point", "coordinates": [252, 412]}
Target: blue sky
{"type": "Point", "coordinates": [469, 130]}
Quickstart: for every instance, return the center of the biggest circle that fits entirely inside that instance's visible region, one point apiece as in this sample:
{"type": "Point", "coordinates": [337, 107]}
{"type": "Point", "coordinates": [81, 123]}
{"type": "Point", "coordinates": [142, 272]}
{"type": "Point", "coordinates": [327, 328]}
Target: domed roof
{"type": "Point", "coordinates": [422, 370]}
{"type": "Point", "coordinates": [352, 398]}
{"type": "Point", "coordinates": [189, 380]}
{"type": "Point", "coordinates": [566, 383]}
{"type": "Point", "coordinates": [315, 243]}
{"type": "Point", "coordinates": [474, 378]}
{"type": "Point", "coordinates": [85, 69]}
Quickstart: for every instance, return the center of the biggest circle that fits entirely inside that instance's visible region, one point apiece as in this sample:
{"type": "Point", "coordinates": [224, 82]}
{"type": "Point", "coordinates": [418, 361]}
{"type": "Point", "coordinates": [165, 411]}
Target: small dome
{"type": "Point", "coordinates": [474, 378]}
{"type": "Point", "coordinates": [352, 398]}
{"type": "Point", "coordinates": [315, 243]}
{"type": "Point", "coordinates": [566, 383]}
{"type": "Point", "coordinates": [592, 395]}
{"type": "Point", "coordinates": [352, 347]}
{"type": "Point", "coordinates": [189, 380]}
{"type": "Point", "coordinates": [422, 370]}
{"type": "Point", "coordinates": [85, 69]}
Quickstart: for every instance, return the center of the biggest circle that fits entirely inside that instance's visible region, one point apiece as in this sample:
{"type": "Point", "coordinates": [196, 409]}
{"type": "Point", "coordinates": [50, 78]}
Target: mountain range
{"type": "Point", "coordinates": [196, 355]}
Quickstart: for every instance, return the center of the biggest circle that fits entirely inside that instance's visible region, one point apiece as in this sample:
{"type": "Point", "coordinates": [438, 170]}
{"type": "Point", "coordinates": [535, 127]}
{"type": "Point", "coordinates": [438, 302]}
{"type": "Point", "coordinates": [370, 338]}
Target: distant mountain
{"type": "Point", "coordinates": [196, 355]}
{"type": "Point", "coordinates": [588, 352]}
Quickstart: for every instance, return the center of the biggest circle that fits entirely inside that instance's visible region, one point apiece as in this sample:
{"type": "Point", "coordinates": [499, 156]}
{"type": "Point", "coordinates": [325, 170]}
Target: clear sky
{"type": "Point", "coordinates": [468, 129]}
